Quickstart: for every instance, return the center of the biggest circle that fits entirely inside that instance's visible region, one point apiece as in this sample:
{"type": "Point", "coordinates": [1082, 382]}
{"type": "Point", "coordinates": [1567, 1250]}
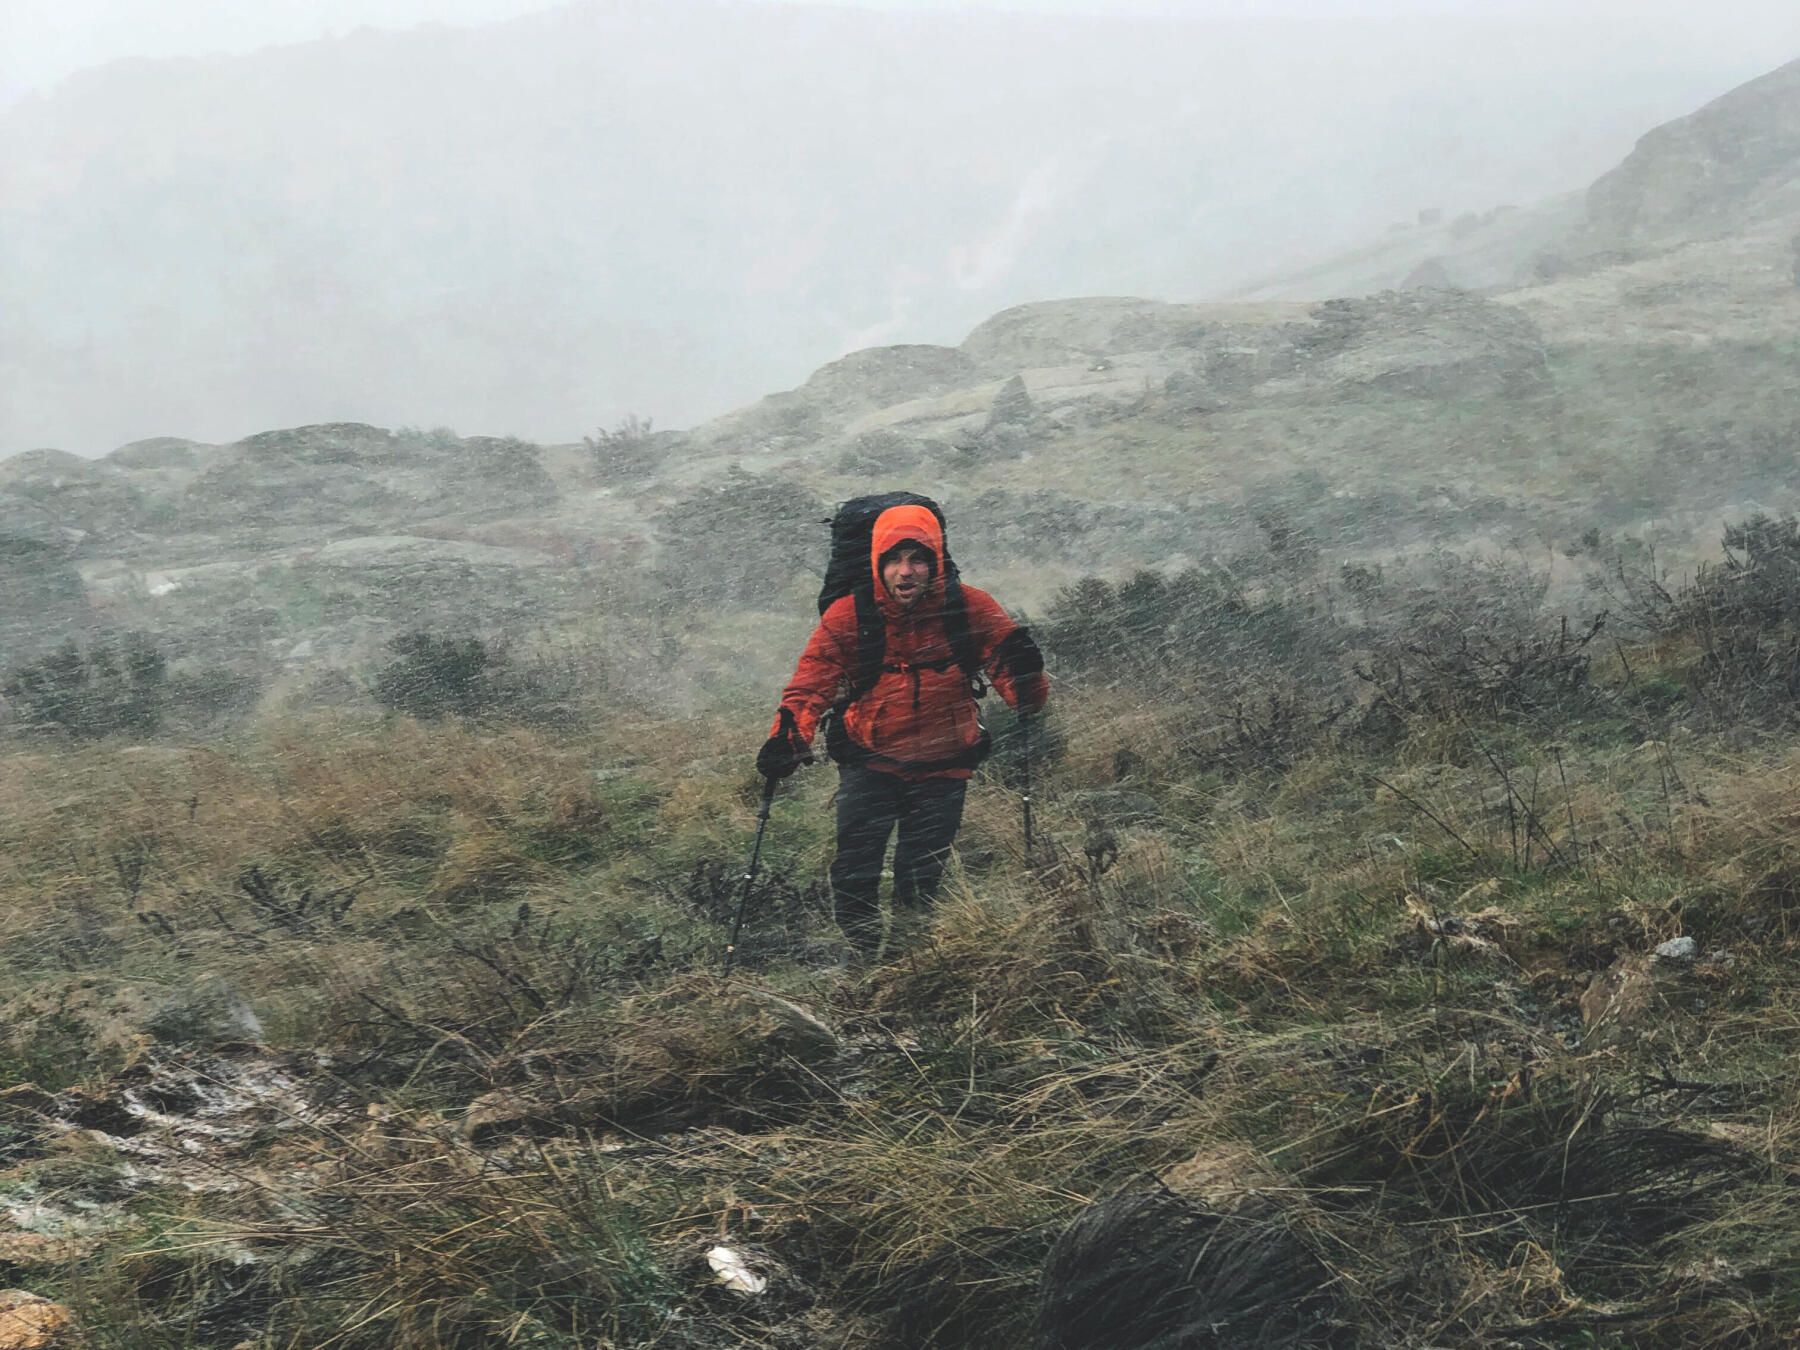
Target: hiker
{"type": "Point", "coordinates": [894, 670]}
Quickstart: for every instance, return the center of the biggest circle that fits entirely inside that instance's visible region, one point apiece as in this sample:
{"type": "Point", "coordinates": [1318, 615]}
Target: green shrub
{"type": "Point", "coordinates": [1157, 627]}
{"type": "Point", "coordinates": [436, 676]}
{"type": "Point", "coordinates": [1741, 613]}
{"type": "Point", "coordinates": [210, 699]}
{"type": "Point", "coordinates": [625, 453]}
{"type": "Point", "coordinates": [114, 685]}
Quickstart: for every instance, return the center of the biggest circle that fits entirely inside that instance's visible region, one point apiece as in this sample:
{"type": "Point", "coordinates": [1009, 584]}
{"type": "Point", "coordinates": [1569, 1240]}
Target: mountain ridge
{"type": "Point", "coordinates": [461, 227]}
{"type": "Point", "coordinates": [1648, 394]}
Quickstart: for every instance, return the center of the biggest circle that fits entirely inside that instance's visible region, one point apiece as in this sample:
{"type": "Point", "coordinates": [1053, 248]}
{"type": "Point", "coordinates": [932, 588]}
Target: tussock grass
{"type": "Point", "coordinates": [1367, 1030]}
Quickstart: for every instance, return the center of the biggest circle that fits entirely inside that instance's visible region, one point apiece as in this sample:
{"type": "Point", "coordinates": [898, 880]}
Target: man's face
{"type": "Point", "coordinates": [906, 573]}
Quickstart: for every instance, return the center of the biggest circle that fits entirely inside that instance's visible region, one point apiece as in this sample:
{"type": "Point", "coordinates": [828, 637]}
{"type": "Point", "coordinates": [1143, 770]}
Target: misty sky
{"type": "Point", "coordinates": [673, 209]}
{"type": "Point", "coordinates": [41, 41]}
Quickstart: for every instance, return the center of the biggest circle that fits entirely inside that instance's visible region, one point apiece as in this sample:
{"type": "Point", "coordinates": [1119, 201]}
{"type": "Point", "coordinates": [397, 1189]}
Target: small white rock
{"type": "Point", "coordinates": [733, 1273]}
{"type": "Point", "coordinates": [1678, 949]}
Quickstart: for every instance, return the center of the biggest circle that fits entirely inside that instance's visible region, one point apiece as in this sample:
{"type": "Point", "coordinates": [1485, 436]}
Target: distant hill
{"type": "Point", "coordinates": [1731, 169]}
{"type": "Point", "coordinates": [533, 228]}
{"type": "Point", "coordinates": [1638, 394]}
{"type": "Point", "coordinates": [1491, 250]}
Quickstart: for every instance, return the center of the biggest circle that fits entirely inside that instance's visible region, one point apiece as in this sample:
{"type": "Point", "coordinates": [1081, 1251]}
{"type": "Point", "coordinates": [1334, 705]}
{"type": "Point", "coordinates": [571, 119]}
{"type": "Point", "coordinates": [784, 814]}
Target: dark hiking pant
{"type": "Point", "coordinates": [869, 805]}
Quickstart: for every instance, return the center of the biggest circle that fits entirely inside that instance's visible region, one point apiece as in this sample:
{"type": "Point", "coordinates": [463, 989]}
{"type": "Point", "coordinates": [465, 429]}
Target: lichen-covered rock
{"type": "Point", "coordinates": [877, 377]}
{"type": "Point", "coordinates": [29, 1322]}
{"type": "Point", "coordinates": [43, 1251]}
{"type": "Point", "coordinates": [785, 1026]}
{"type": "Point", "coordinates": [1678, 950]}
{"type": "Point", "coordinates": [1422, 344]}
{"type": "Point", "coordinates": [1641, 998]}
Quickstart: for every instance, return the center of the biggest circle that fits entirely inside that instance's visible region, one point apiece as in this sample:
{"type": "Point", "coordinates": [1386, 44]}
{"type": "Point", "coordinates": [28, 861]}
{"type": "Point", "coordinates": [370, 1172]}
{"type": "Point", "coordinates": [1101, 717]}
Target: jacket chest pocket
{"type": "Point", "coordinates": [913, 702]}
{"type": "Point", "coordinates": [944, 714]}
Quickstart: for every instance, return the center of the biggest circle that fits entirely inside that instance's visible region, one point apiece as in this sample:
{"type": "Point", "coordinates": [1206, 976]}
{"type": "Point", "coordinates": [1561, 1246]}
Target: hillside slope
{"type": "Point", "coordinates": [1644, 395]}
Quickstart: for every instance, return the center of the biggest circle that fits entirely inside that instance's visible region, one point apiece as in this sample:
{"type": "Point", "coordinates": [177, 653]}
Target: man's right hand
{"type": "Point", "coordinates": [783, 752]}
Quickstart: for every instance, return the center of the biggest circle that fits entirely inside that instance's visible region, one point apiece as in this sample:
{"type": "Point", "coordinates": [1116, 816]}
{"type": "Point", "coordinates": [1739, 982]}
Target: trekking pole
{"type": "Point", "coordinates": [762, 823]}
{"type": "Point", "coordinates": [1025, 739]}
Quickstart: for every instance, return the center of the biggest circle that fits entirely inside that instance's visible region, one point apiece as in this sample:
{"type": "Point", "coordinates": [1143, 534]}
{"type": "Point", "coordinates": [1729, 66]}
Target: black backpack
{"type": "Point", "coordinates": [848, 574]}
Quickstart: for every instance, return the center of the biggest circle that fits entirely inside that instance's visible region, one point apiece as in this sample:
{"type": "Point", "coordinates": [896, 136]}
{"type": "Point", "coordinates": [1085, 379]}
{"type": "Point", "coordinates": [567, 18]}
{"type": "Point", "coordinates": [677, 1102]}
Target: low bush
{"type": "Point", "coordinates": [625, 453]}
{"type": "Point", "coordinates": [1202, 621]}
{"type": "Point", "coordinates": [112, 686]}
{"type": "Point", "coordinates": [1743, 616]}
{"type": "Point", "coordinates": [1481, 673]}
{"type": "Point", "coordinates": [437, 675]}
{"type": "Point", "coordinates": [434, 675]}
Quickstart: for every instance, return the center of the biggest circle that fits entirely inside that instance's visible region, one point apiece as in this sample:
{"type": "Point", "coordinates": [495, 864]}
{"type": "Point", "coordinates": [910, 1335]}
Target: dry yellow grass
{"type": "Point", "coordinates": [1249, 989]}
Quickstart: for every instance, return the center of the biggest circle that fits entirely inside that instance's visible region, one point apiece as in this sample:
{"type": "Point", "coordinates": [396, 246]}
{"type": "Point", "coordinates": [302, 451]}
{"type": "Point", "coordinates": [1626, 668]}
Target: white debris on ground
{"type": "Point", "coordinates": [28, 1212]}
{"type": "Point", "coordinates": [192, 1120]}
{"type": "Point", "coordinates": [734, 1272]}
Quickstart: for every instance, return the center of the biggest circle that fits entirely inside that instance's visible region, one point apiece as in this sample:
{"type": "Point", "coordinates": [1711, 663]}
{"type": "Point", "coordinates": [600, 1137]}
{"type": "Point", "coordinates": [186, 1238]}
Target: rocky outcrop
{"type": "Point", "coordinates": [1717, 168]}
{"type": "Point", "coordinates": [346, 473]}
{"type": "Point", "coordinates": [1730, 171]}
{"type": "Point", "coordinates": [78, 496]}
{"type": "Point", "coordinates": [1092, 330]}
{"type": "Point", "coordinates": [879, 376]}
{"type": "Point", "coordinates": [840, 397]}
{"type": "Point", "coordinates": [161, 454]}
{"type": "Point", "coordinates": [890, 408]}
{"type": "Point", "coordinates": [326, 477]}
{"type": "Point", "coordinates": [1489, 251]}
{"type": "Point", "coordinates": [1422, 344]}
{"type": "Point", "coordinates": [407, 552]}
{"type": "Point", "coordinates": [41, 595]}
{"type": "Point", "coordinates": [31, 1322]}
{"type": "Point", "coordinates": [1730, 167]}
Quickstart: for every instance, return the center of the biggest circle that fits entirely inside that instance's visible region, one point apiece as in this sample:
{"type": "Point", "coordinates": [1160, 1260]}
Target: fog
{"type": "Point", "coordinates": [1380, 927]}
{"type": "Point", "coordinates": [536, 224]}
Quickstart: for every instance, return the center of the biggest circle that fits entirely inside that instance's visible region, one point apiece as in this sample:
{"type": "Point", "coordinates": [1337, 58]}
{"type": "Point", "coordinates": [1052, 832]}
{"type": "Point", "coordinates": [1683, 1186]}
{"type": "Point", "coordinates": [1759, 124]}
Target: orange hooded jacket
{"type": "Point", "coordinates": [921, 710]}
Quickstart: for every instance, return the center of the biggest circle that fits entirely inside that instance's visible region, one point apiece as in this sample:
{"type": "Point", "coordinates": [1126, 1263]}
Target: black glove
{"type": "Point", "coordinates": [1032, 692]}
{"type": "Point", "coordinates": [1020, 658]}
{"type": "Point", "coordinates": [783, 752]}
{"type": "Point", "coordinates": [1018, 655]}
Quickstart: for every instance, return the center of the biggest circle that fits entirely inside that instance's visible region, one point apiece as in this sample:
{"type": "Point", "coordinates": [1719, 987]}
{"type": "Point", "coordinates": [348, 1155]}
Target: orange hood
{"type": "Point", "coordinates": [897, 525]}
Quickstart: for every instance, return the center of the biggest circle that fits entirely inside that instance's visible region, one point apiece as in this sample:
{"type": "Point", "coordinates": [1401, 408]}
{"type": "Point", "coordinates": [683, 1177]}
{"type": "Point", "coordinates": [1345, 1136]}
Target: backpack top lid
{"type": "Point", "coordinates": [851, 530]}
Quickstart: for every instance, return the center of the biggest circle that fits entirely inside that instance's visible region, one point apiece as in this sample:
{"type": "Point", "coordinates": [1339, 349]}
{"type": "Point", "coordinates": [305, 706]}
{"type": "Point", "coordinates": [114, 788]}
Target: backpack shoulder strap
{"type": "Point", "coordinates": [957, 632]}
{"type": "Point", "coordinates": [871, 643]}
